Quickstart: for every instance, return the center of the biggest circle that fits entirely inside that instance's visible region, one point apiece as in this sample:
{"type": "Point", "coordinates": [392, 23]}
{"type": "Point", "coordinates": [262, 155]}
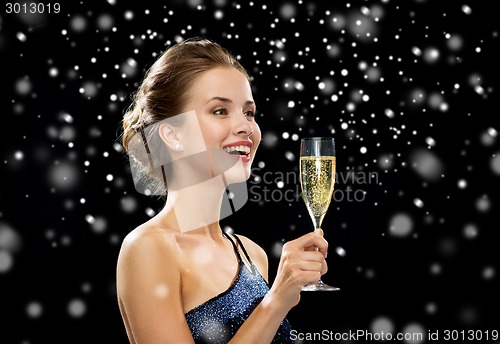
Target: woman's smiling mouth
{"type": "Point", "coordinates": [239, 150]}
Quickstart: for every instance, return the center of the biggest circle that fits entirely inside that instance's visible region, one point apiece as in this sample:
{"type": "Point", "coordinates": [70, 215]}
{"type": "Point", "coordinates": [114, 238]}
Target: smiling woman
{"type": "Point", "coordinates": [180, 279]}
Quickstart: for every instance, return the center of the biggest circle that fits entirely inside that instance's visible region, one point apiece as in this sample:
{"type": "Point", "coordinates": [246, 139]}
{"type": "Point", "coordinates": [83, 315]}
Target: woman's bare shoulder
{"type": "Point", "coordinates": [250, 244]}
{"type": "Point", "coordinates": [148, 231]}
{"type": "Point", "coordinates": [151, 240]}
{"type": "Point", "coordinates": [256, 252]}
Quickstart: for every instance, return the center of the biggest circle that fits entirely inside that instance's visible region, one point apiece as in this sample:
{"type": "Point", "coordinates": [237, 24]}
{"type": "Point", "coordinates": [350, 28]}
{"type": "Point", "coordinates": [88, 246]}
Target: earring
{"type": "Point", "coordinates": [178, 147]}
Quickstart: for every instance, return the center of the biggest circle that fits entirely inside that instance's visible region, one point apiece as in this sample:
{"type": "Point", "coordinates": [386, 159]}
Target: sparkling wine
{"type": "Point", "coordinates": [317, 177]}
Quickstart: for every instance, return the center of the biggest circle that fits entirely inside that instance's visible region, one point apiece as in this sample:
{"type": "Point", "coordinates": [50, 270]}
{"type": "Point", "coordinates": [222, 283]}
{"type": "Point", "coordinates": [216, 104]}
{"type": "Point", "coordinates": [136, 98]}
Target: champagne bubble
{"type": "Point", "coordinates": [317, 179]}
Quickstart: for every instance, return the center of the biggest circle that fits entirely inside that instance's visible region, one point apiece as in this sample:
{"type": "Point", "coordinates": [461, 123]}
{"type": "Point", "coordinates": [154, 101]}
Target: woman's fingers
{"type": "Point", "coordinates": [315, 256]}
{"type": "Point", "coordinates": [309, 242]}
{"type": "Point", "coordinates": [311, 277]}
{"type": "Point", "coordinates": [310, 265]}
{"type": "Point", "coordinates": [302, 262]}
{"type": "Point", "coordinates": [313, 260]}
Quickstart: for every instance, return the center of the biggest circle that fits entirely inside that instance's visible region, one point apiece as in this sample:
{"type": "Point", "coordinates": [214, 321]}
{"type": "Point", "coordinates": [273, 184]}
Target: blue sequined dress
{"type": "Point", "coordinates": [218, 319]}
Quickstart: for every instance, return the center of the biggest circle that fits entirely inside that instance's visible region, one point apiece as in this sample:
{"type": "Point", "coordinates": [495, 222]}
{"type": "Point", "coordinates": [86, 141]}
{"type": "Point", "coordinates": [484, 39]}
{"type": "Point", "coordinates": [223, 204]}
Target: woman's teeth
{"type": "Point", "coordinates": [242, 150]}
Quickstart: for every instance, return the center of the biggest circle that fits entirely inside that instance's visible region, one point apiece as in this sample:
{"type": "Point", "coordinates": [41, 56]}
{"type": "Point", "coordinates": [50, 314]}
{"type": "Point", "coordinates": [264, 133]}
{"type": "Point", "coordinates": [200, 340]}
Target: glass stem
{"type": "Point", "coordinates": [317, 222]}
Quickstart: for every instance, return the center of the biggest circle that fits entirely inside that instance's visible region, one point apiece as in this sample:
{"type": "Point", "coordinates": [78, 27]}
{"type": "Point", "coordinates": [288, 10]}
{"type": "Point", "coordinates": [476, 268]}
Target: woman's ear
{"type": "Point", "coordinates": [169, 136]}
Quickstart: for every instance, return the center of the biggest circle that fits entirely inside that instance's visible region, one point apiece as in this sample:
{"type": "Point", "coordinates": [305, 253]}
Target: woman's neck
{"type": "Point", "coordinates": [195, 207]}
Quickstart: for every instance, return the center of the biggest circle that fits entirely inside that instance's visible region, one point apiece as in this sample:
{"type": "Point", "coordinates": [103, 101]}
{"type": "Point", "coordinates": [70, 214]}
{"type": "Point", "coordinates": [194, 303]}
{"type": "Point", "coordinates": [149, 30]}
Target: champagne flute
{"type": "Point", "coordinates": [317, 179]}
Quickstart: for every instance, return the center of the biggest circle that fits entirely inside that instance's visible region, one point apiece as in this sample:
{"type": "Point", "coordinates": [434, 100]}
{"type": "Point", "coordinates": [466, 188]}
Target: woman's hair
{"type": "Point", "coordinates": [162, 95]}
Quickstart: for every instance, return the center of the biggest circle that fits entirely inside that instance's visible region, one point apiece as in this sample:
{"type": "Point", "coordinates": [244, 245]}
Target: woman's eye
{"type": "Point", "coordinates": [220, 112]}
{"type": "Point", "coordinates": [250, 114]}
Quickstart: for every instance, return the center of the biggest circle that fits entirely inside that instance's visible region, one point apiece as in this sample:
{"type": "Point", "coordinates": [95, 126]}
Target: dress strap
{"type": "Point", "coordinates": [234, 246]}
{"type": "Point", "coordinates": [237, 251]}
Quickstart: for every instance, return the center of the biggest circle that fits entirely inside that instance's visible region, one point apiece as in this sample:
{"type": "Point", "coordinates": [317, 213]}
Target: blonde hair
{"type": "Point", "coordinates": [162, 95]}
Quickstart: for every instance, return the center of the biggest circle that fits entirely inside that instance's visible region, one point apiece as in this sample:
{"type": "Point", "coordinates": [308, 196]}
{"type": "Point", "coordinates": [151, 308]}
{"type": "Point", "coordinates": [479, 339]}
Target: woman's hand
{"type": "Point", "coordinates": [300, 264]}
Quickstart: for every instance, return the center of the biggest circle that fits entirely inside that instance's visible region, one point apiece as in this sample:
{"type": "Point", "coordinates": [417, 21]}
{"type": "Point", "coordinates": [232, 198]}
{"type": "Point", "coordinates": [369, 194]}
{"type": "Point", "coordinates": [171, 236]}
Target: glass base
{"type": "Point", "coordinates": [319, 286]}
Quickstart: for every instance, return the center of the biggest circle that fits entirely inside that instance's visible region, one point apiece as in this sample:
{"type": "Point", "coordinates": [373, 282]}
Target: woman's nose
{"type": "Point", "coordinates": [243, 126]}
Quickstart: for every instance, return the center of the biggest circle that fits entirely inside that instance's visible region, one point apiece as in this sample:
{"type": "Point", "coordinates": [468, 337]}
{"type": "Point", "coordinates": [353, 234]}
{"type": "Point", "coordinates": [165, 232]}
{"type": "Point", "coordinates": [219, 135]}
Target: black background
{"type": "Point", "coordinates": [67, 197]}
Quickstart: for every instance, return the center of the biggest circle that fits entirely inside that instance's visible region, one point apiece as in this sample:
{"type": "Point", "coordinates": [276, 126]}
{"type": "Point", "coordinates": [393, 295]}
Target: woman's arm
{"type": "Point", "coordinates": [299, 264]}
{"type": "Point", "coordinates": [149, 290]}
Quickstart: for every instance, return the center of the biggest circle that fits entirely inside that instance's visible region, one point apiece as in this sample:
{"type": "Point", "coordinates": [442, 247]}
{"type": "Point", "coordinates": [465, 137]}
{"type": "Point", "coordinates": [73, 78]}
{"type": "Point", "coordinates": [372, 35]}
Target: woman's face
{"type": "Point", "coordinates": [225, 109]}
